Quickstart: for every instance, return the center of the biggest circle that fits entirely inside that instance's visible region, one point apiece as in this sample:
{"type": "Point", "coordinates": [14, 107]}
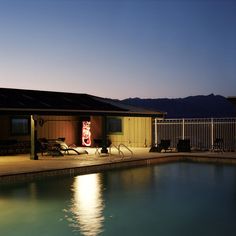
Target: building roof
{"type": "Point", "coordinates": [130, 108]}
{"type": "Point", "coordinates": [232, 99]}
{"type": "Point", "coordinates": [23, 101]}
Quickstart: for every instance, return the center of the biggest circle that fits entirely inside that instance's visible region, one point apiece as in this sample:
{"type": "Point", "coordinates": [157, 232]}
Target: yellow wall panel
{"type": "Point", "coordinates": [136, 132]}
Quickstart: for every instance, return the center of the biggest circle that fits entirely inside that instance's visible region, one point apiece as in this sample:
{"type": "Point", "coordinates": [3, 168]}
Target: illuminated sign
{"type": "Point", "coordinates": [86, 133]}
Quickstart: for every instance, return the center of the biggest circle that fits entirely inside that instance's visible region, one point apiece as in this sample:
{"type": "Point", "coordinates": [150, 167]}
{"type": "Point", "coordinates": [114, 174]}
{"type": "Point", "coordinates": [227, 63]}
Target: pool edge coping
{"type": "Point", "coordinates": [132, 162]}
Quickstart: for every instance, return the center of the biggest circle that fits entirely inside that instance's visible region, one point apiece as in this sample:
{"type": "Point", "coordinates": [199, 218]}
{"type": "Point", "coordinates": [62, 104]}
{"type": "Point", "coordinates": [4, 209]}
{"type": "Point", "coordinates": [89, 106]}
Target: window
{"type": "Point", "coordinates": [114, 125]}
{"type": "Point", "coordinates": [20, 126]}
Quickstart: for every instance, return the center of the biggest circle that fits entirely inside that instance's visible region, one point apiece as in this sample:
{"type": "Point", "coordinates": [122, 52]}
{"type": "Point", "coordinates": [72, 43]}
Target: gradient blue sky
{"type": "Point", "coordinates": [119, 48]}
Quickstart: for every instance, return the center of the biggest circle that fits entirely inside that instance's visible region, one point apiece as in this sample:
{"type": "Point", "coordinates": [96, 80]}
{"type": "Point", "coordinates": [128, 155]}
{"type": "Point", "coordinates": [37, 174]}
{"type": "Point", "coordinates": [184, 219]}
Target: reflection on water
{"type": "Point", "coordinates": [165, 200]}
{"type": "Point", "coordinates": [87, 205]}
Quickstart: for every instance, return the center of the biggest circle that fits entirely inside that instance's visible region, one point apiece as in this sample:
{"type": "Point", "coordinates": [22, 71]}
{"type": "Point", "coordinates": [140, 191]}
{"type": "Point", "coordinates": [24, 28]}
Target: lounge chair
{"type": "Point", "coordinates": [218, 145]}
{"type": "Point", "coordinates": [68, 149]}
{"type": "Point", "coordinates": [163, 145]}
{"type": "Point", "coordinates": [184, 145]}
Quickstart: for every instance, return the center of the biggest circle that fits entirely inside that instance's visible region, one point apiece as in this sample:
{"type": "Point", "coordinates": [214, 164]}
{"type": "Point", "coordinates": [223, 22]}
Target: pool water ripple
{"type": "Point", "coordinates": [170, 199]}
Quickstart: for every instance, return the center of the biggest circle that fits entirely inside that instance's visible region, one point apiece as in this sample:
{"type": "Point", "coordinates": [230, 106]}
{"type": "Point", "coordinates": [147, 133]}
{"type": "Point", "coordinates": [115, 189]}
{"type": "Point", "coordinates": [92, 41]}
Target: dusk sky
{"type": "Point", "coordinates": [119, 48]}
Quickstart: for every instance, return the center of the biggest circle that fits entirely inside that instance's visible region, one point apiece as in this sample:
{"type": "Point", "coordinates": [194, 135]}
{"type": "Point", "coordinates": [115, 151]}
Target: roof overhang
{"type": "Point", "coordinates": [33, 102]}
{"type": "Point", "coordinates": [232, 99]}
{"type": "Point", "coordinates": [18, 111]}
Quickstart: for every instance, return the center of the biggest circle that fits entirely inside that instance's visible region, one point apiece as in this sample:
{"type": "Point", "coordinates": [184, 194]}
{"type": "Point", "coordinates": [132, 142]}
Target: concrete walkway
{"type": "Point", "coordinates": [21, 164]}
{"type": "Point", "coordinates": [17, 164]}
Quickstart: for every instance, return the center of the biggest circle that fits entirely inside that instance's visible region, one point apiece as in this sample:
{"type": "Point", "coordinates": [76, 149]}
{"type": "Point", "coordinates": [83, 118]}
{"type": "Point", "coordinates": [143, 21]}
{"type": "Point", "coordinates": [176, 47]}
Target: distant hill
{"type": "Point", "coordinates": [190, 107]}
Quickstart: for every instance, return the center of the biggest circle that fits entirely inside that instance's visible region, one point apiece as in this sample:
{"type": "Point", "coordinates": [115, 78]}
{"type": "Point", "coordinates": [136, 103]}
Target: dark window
{"type": "Point", "coordinates": [20, 126]}
{"type": "Point", "coordinates": [114, 125]}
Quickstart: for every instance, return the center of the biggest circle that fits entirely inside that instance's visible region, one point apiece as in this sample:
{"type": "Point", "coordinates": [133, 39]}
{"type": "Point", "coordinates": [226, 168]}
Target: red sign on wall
{"type": "Point", "coordinates": [86, 133]}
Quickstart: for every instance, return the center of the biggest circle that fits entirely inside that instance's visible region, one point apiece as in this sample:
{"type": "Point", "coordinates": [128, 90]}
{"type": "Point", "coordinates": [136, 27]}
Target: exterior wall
{"type": "Point", "coordinates": [54, 127]}
{"type": "Point", "coordinates": [137, 132]}
{"type": "Point", "coordinates": [5, 127]}
{"type": "Point", "coordinates": [96, 127]}
{"type": "Point", "coordinates": [5, 130]}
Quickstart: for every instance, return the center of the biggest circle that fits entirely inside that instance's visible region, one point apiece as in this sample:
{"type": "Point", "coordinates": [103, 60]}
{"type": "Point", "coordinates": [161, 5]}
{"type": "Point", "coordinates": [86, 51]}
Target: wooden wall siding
{"type": "Point", "coordinates": [5, 130]}
{"type": "Point", "coordinates": [61, 126]}
{"type": "Point", "coordinates": [137, 132]}
{"type": "Point", "coordinates": [4, 127]}
{"type": "Point", "coordinates": [96, 127]}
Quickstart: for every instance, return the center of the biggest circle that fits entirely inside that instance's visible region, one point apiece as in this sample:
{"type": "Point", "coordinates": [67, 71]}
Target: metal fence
{"type": "Point", "coordinates": [201, 132]}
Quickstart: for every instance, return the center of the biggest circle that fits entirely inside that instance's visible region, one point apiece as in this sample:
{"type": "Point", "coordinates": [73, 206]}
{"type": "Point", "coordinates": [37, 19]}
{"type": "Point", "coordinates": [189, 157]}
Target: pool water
{"type": "Point", "coordinates": [166, 200]}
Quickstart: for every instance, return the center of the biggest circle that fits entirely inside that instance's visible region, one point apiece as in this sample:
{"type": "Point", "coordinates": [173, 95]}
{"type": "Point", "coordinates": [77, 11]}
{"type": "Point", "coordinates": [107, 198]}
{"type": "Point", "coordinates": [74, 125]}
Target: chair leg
{"type": "Point", "coordinates": [97, 151]}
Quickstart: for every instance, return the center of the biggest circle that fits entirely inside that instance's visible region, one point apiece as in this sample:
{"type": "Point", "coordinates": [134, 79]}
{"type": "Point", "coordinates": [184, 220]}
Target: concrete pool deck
{"type": "Point", "coordinates": [20, 167]}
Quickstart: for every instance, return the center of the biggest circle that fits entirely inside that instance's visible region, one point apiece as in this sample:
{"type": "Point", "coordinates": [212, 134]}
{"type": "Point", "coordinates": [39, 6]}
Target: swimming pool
{"type": "Point", "coordinates": [169, 199]}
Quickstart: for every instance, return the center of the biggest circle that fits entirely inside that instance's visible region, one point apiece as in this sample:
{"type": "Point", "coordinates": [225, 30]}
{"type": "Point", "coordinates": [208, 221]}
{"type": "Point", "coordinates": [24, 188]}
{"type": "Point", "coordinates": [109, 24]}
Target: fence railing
{"type": "Point", "coordinates": [200, 132]}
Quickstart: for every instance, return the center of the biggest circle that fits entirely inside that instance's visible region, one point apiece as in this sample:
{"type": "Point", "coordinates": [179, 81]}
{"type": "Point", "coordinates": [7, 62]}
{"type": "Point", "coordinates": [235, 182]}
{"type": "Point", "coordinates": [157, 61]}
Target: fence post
{"type": "Point", "coordinates": [155, 125]}
{"type": "Point", "coordinates": [183, 135]}
{"type": "Point", "coordinates": [212, 132]}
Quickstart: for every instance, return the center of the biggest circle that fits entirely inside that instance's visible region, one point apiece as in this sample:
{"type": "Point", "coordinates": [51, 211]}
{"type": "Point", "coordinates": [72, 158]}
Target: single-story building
{"type": "Point", "coordinates": [232, 99]}
{"type": "Point", "coordinates": [27, 115]}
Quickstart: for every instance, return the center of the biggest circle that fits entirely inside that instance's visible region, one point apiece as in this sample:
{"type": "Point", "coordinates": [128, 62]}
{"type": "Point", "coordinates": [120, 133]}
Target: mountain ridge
{"type": "Point", "coordinates": [199, 106]}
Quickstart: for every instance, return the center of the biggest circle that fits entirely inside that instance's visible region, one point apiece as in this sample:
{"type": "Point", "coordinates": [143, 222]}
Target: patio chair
{"type": "Point", "coordinates": [98, 144]}
{"type": "Point", "coordinates": [163, 145]}
{"type": "Point", "coordinates": [48, 147]}
{"type": "Point", "coordinates": [218, 145]}
{"type": "Point", "coordinates": [42, 145]}
{"type": "Point", "coordinates": [68, 149]}
{"type": "Point", "coordinates": [183, 145]}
